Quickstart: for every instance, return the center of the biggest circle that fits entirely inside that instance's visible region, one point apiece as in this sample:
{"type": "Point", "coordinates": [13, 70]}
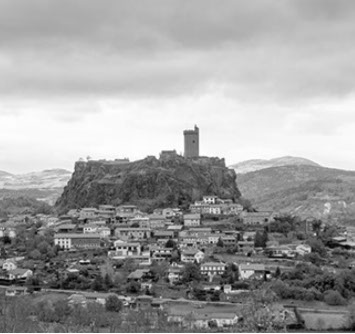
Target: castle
{"type": "Point", "coordinates": [191, 143]}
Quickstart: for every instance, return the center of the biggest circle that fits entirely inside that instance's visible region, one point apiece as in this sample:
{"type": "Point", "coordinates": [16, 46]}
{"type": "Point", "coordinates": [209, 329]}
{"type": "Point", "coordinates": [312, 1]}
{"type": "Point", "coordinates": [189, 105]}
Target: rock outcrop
{"type": "Point", "coordinates": [148, 183]}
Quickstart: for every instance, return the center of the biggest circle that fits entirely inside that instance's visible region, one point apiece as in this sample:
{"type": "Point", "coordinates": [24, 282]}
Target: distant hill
{"type": "Point", "coordinates": [304, 190]}
{"type": "Point", "coordinates": [46, 185]}
{"type": "Point", "coordinates": [257, 164]}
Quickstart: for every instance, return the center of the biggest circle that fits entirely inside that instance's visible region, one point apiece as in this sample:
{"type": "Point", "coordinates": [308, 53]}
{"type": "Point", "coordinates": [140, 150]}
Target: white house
{"type": "Point", "coordinates": [124, 249]}
{"type": "Point", "coordinates": [192, 255]}
{"type": "Point", "coordinates": [192, 219]}
{"type": "Point", "coordinates": [9, 265]}
{"type": "Point", "coordinates": [303, 249]}
{"type": "Point", "coordinates": [251, 270]}
{"type": "Point", "coordinates": [210, 199]}
{"type": "Point", "coordinates": [212, 268]}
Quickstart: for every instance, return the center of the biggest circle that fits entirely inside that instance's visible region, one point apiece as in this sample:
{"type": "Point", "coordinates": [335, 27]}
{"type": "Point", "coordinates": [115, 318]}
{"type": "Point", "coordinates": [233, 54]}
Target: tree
{"type": "Point", "coordinates": [316, 226]}
{"type": "Point", "coordinates": [170, 244]}
{"type": "Point", "coordinates": [133, 287]}
{"type": "Point", "coordinates": [277, 272]}
{"type": "Point", "coordinates": [35, 254]}
{"type": "Point", "coordinates": [191, 272]}
{"type": "Point", "coordinates": [98, 284]}
{"type": "Point", "coordinates": [6, 239]}
{"type": "Point", "coordinates": [113, 304]}
{"type": "Point", "coordinates": [333, 297]}
{"type": "Point", "coordinates": [260, 239]}
{"type": "Point", "coordinates": [108, 284]}
{"type": "Point", "coordinates": [317, 246]}
{"type": "Point", "coordinates": [220, 243]}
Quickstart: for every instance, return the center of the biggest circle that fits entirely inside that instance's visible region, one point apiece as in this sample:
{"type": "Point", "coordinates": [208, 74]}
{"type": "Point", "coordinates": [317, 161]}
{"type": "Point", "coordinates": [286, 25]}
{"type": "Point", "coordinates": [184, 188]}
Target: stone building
{"type": "Point", "coordinates": [191, 143]}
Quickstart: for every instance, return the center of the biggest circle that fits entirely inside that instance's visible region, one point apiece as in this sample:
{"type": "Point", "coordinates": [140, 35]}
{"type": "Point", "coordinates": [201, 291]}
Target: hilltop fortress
{"type": "Point", "coordinates": [171, 181]}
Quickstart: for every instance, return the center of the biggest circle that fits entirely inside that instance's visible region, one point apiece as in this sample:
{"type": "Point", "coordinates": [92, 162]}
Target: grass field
{"type": "Point", "coordinates": [324, 320]}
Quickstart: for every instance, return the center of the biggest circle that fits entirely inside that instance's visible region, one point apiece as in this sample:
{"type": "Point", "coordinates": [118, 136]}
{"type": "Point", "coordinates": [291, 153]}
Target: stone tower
{"type": "Point", "coordinates": [192, 145]}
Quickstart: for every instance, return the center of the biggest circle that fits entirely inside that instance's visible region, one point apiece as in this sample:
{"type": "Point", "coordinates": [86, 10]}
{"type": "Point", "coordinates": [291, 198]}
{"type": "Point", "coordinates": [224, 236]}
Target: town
{"type": "Point", "coordinates": [205, 267]}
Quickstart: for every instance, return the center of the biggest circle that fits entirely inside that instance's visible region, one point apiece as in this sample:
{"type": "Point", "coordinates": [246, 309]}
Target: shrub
{"type": "Point", "coordinates": [333, 297]}
{"type": "Point", "coordinates": [113, 304]}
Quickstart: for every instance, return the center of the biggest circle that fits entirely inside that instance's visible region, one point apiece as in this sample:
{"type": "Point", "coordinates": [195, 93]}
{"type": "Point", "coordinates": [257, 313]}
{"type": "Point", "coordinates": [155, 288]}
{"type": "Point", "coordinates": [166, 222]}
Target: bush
{"type": "Point", "coordinates": [333, 297]}
{"type": "Point", "coordinates": [113, 304]}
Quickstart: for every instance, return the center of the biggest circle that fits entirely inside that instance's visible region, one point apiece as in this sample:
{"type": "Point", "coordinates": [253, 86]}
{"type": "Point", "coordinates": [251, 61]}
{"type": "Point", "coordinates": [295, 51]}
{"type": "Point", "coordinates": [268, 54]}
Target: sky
{"type": "Point", "coordinates": [112, 79]}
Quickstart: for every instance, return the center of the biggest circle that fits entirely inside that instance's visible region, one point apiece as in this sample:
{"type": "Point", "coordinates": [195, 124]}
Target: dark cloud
{"type": "Point", "coordinates": [278, 50]}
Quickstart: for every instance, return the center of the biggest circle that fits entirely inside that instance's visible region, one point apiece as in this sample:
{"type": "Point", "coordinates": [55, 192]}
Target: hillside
{"type": "Point", "coordinates": [22, 205]}
{"type": "Point", "coordinates": [148, 183]}
{"type": "Point", "coordinates": [303, 190]}
{"type": "Point", "coordinates": [46, 185]}
{"type": "Point", "coordinates": [257, 164]}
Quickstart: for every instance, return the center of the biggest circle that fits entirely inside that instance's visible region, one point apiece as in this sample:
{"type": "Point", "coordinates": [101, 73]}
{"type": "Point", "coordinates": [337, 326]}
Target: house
{"type": "Point", "coordinates": [139, 274]}
{"type": "Point", "coordinates": [98, 297]}
{"type": "Point", "coordinates": [136, 233]}
{"type": "Point", "coordinates": [66, 228]}
{"type": "Point", "coordinates": [144, 302]}
{"type": "Point", "coordinates": [174, 273]}
{"type": "Point", "coordinates": [125, 249]}
{"type": "Point", "coordinates": [282, 251]}
{"type": "Point", "coordinates": [90, 228]}
{"type": "Point", "coordinates": [169, 213]}
{"type": "Point", "coordinates": [246, 247]}
{"type": "Point", "coordinates": [229, 240]}
{"type": "Point", "coordinates": [19, 274]}
{"type": "Point", "coordinates": [161, 253]}
{"type": "Point", "coordinates": [188, 241]}
{"type": "Point", "coordinates": [257, 218]}
{"type": "Point", "coordinates": [127, 209]}
{"type": "Point", "coordinates": [248, 235]}
{"type": "Point", "coordinates": [126, 212]}
{"type": "Point", "coordinates": [86, 213]}
{"type": "Point", "coordinates": [200, 208]}
{"type": "Point", "coordinates": [136, 276]}
{"type": "Point", "coordinates": [213, 238]}
{"type": "Point", "coordinates": [106, 211]}
{"type": "Point", "coordinates": [104, 232]}
{"type": "Point", "coordinates": [215, 209]}
{"type": "Point", "coordinates": [163, 234]}
{"type": "Point", "coordinates": [203, 317]}
{"type": "Point", "coordinates": [192, 219]}
{"type": "Point", "coordinates": [192, 255]}
{"type": "Point", "coordinates": [77, 299]}
{"type": "Point", "coordinates": [9, 265]}
{"type": "Point", "coordinates": [303, 249]}
{"type": "Point", "coordinates": [77, 240]}
{"type": "Point", "coordinates": [210, 199]}
{"type": "Point", "coordinates": [16, 291]}
{"type": "Point", "coordinates": [211, 269]}
{"type": "Point", "coordinates": [142, 222]}
{"type": "Point", "coordinates": [157, 221]}
{"type": "Point", "coordinates": [251, 271]}
{"type": "Point", "coordinates": [175, 229]}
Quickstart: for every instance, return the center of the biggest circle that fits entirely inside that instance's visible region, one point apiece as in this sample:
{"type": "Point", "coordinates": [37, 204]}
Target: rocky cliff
{"type": "Point", "coordinates": [148, 183]}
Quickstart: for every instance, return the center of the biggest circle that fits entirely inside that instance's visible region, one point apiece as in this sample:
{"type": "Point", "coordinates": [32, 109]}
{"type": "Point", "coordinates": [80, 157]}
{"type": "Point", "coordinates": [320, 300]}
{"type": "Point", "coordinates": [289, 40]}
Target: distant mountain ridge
{"type": "Point", "coordinates": [46, 185]}
{"type": "Point", "coordinates": [50, 178]}
{"type": "Point", "coordinates": [258, 164]}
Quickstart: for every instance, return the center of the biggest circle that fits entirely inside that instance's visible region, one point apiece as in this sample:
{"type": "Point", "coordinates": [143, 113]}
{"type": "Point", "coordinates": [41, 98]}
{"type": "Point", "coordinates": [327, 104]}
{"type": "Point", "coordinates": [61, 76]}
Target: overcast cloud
{"type": "Point", "coordinates": [111, 78]}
